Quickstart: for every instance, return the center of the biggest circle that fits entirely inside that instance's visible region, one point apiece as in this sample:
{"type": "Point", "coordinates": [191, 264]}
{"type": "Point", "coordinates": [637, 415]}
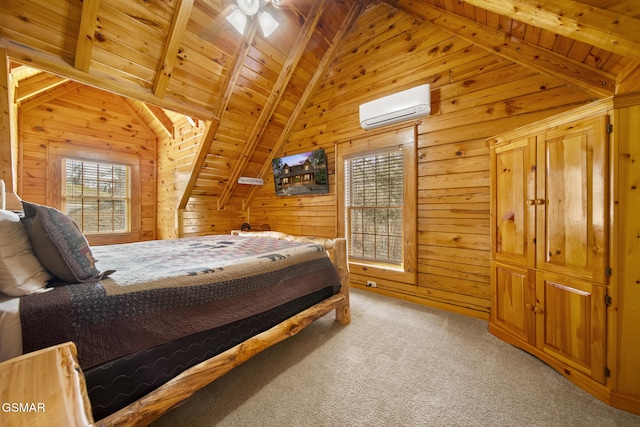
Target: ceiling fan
{"type": "Point", "coordinates": [246, 9]}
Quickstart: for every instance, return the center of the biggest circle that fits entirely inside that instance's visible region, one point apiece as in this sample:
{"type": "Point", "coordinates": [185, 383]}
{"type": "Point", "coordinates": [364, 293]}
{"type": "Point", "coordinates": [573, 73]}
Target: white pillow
{"type": "Point", "coordinates": [21, 272]}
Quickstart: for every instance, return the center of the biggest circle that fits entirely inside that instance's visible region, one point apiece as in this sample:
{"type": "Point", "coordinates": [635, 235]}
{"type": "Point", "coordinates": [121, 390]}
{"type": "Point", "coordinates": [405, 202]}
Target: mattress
{"type": "Point", "coordinates": [170, 305]}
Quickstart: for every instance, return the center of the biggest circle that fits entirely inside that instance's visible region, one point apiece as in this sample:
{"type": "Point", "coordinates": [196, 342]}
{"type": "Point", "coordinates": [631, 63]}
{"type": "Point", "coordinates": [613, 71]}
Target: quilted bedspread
{"type": "Point", "coordinates": [167, 289]}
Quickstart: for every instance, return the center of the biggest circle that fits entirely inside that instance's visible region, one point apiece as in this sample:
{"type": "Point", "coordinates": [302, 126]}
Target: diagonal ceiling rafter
{"type": "Point", "coordinates": [274, 97]}
{"type": "Point", "coordinates": [171, 47]}
{"type": "Point", "coordinates": [239, 57]}
{"type": "Point", "coordinates": [607, 30]}
{"type": "Point", "coordinates": [598, 82]}
{"type": "Point", "coordinates": [84, 44]}
{"type": "Point", "coordinates": [328, 57]}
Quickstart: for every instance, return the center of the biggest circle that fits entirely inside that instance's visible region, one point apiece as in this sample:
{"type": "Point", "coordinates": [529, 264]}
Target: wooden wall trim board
{"type": "Point", "coordinates": [8, 149]}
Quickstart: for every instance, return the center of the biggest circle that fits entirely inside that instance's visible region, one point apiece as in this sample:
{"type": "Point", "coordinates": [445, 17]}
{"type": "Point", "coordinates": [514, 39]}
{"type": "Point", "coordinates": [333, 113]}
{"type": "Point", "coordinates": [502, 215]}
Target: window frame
{"type": "Point", "coordinates": [404, 139]}
{"type": "Point", "coordinates": [57, 154]}
{"type": "Point", "coordinates": [67, 199]}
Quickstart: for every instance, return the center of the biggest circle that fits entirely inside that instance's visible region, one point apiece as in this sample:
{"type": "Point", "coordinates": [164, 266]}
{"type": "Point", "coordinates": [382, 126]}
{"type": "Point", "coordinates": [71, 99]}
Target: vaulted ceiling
{"type": "Point", "coordinates": [183, 56]}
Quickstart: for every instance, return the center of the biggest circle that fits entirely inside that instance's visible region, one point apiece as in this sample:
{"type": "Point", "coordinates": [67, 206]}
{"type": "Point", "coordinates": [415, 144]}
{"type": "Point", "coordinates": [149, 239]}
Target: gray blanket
{"type": "Point", "coordinates": [167, 289]}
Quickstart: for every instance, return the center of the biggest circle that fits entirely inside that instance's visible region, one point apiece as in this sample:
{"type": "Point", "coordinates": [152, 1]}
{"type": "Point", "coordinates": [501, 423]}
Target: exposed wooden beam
{"type": "Point", "coordinates": [140, 111]}
{"type": "Point", "coordinates": [47, 62]}
{"type": "Point", "coordinates": [299, 47]}
{"type": "Point", "coordinates": [607, 30]}
{"type": "Point", "coordinates": [240, 55]}
{"type": "Point", "coordinates": [598, 82]}
{"type": "Point", "coordinates": [37, 84]}
{"type": "Point", "coordinates": [322, 68]}
{"type": "Point", "coordinates": [628, 80]}
{"type": "Point", "coordinates": [164, 120]}
{"type": "Point", "coordinates": [45, 97]}
{"type": "Point", "coordinates": [171, 46]}
{"type": "Point", "coordinates": [84, 44]}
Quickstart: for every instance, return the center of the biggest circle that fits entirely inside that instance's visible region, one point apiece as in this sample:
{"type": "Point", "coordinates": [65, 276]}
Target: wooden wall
{"type": "Point", "coordinates": [79, 118]}
{"type": "Point", "coordinates": [175, 157]}
{"type": "Point", "coordinates": [475, 94]}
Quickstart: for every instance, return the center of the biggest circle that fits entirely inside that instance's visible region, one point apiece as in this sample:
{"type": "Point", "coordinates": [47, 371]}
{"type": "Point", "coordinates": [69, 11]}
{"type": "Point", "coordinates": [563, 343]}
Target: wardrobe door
{"type": "Point", "coordinates": [571, 200]}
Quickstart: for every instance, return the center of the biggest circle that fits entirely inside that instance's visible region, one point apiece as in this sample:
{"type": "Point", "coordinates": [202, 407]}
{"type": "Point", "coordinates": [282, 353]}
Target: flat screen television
{"type": "Point", "coordinates": [301, 174]}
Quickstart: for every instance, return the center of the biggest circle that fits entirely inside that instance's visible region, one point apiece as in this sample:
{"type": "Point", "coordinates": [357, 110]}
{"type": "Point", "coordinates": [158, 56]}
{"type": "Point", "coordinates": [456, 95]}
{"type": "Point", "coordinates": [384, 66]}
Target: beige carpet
{"type": "Point", "coordinates": [397, 364]}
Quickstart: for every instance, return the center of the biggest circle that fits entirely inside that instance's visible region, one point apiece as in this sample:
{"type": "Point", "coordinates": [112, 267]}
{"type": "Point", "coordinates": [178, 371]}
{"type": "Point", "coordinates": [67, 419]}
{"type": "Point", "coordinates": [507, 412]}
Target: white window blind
{"type": "Point", "coordinates": [374, 202]}
{"type": "Point", "coordinates": [96, 195]}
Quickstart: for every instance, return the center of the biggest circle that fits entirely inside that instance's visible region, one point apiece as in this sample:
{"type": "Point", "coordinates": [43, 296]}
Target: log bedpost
{"type": "Point", "coordinates": [343, 311]}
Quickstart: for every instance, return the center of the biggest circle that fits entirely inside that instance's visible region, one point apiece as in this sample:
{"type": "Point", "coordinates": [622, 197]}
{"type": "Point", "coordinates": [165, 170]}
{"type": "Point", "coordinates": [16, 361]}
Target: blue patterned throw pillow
{"type": "Point", "coordinates": [59, 244]}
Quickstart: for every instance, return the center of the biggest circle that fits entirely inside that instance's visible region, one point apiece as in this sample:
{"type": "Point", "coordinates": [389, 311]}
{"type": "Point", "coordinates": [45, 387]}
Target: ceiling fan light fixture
{"type": "Point", "coordinates": [249, 7]}
{"type": "Point", "coordinates": [268, 24]}
{"type": "Point", "coordinates": [238, 19]}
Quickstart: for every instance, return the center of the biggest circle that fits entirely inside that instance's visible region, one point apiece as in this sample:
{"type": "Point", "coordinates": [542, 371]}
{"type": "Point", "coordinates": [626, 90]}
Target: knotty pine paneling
{"type": "Point", "coordinates": [475, 94]}
{"type": "Point", "coordinates": [176, 155]}
{"type": "Point", "coordinates": [82, 120]}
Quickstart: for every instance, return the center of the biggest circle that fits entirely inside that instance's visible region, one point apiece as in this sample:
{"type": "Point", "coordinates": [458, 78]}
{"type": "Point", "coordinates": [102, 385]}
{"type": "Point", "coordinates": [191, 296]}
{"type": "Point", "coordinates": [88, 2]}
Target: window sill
{"type": "Point", "coordinates": [382, 272]}
{"type": "Point", "coordinates": [111, 238]}
{"type": "Point", "coordinates": [377, 265]}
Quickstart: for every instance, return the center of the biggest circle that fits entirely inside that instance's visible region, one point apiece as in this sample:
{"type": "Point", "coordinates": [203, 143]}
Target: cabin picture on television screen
{"type": "Point", "coordinates": [299, 174]}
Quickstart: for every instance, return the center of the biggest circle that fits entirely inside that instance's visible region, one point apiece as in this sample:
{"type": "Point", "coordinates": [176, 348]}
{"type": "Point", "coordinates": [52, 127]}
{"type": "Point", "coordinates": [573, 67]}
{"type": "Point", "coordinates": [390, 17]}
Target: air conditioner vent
{"type": "Point", "coordinates": [403, 106]}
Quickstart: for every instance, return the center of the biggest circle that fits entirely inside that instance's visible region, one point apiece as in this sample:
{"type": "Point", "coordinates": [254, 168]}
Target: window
{"type": "Point", "coordinates": [374, 200]}
{"type": "Point", "coordinates": [97, 195]}
{"type": "Point", "coordinates": [377, 194]}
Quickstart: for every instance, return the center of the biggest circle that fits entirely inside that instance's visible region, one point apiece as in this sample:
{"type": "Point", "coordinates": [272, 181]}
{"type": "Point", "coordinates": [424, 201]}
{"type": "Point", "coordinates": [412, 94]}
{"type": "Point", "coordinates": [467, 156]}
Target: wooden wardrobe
{"type": "Point", "coordinates": [565, 245]}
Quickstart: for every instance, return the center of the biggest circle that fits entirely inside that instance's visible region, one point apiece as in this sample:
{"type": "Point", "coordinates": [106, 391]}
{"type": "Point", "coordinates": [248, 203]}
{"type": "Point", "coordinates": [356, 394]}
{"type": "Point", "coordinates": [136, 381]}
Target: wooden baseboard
{"type": "Point", "coordinates": [454, 308]}
{"type": "Point", "coordinates": [626, 403]}
{"type": "Point", "coordinates": [600, 391]}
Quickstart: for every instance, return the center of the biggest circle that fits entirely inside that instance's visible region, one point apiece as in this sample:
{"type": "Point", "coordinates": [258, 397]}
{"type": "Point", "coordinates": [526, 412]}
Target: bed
{"type": "Point", "coordinates": [162, 319]}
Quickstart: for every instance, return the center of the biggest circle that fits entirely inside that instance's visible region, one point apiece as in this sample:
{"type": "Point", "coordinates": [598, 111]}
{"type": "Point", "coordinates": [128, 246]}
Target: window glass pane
{"type": "Point", "coordinates": [374, 199]}
{"type": "Point", "coordinates": [90, 211]}
{"type": "Point", "coordinates": [96, 195]}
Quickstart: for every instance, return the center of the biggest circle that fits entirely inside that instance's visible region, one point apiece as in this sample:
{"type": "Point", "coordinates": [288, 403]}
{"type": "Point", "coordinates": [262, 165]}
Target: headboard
{"type": "Point", "coordinates": [8, 199]}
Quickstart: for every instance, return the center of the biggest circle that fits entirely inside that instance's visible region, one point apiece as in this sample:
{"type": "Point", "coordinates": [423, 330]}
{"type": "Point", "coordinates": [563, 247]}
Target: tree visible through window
{"type": "Point", "coordinates": [374, 200]}
{"type": "Point", "coordinates": [96, 195]}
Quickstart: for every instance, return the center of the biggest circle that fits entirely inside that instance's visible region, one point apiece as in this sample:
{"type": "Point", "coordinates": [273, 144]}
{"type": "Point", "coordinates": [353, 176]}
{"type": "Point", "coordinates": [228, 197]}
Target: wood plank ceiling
{"type": "Point", "coordinates": [183, 56]}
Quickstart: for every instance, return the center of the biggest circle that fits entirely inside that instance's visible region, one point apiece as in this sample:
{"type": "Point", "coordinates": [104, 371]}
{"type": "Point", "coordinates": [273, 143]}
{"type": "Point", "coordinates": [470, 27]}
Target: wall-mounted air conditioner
{"type": "Point", "coordinates": [407, 105]}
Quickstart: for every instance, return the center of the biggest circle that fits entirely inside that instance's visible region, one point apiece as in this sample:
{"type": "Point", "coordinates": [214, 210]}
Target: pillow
{"type": "Point", "coordinates": [59, 244]}
{"type": "Point", "coordinates": [21, 273]}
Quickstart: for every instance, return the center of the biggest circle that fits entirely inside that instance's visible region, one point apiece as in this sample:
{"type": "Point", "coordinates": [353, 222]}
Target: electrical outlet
{"type": "Point", "coordinates": [372, 283]}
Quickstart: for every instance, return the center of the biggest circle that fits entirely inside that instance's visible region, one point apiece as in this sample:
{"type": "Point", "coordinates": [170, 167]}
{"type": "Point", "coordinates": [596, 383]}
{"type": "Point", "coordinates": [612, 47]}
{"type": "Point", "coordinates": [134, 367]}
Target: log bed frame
{"type": "Point", "coordinates": [150, 407]}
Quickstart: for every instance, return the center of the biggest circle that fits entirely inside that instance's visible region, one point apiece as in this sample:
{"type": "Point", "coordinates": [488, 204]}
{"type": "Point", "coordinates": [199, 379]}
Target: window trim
{"type": "Point", "coordinates": [68, 198]}
{"type": "Point", "coordinates": [58, 151]}
{"type": "Point", "coordinates": [349, 209]}
{"type": "Point", "coordinates": [404, 139]}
